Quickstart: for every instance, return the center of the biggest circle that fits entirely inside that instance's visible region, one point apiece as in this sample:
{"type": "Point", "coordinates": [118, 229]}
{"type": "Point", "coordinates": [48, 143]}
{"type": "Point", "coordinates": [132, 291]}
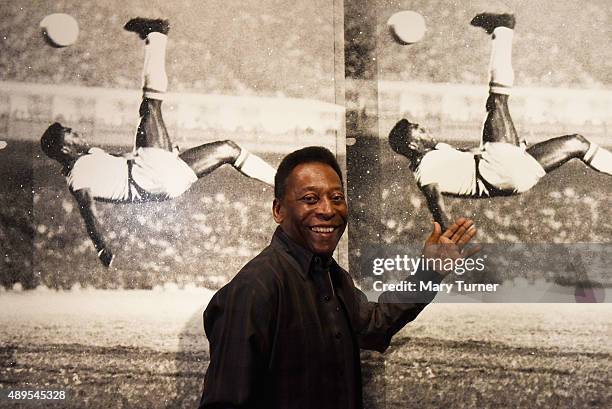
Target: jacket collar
{"type": "Point", "coordinates": [304, 257]}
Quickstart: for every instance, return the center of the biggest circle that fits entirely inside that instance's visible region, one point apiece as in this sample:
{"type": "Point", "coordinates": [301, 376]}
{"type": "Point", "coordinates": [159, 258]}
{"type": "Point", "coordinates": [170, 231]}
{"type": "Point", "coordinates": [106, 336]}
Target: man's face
{"type": "Point", "coordinates": [313, 211]}
{"type": "Point", "coordinates": [74, 144]}
{"type": "Point", "coordinates": [420, 140]}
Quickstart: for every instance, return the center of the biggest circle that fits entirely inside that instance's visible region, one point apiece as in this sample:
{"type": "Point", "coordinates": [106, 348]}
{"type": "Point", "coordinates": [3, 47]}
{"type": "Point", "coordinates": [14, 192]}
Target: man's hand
{"type": "Point", "coordinates": [450, 245]}
{"type": "Point", "coordinates": [106, 256]}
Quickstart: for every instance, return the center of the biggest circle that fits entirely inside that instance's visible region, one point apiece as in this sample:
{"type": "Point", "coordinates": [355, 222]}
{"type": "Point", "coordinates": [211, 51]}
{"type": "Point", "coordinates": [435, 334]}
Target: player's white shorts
{"type": "Point", "coordinates": [160, 173]}
{"type": "Point", "coordinates": [509, 167]}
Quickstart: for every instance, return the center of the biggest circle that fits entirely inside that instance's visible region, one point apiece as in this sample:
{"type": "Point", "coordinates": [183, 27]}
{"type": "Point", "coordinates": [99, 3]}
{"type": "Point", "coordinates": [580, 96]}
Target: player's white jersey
{"type": "Point", "coordinates": [497, 165]}
{"type": "Point", "coordinates": [148, 174]}
{"type": "Point", "coordinates": [106, 176]}
{"type": "Point", "coordinates": [454, 171]}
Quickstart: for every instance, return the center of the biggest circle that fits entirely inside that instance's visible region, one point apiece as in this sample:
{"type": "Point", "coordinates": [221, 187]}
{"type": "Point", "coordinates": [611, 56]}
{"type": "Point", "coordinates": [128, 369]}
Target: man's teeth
{"type": "Point", "coordinates": [322, 229]}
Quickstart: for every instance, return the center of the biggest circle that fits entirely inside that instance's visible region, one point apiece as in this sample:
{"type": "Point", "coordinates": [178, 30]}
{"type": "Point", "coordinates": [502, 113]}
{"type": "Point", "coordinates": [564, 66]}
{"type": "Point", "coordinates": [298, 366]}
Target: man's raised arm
{"type": "Point", "coordinates": [88, 213]}
{"type": "Point", "coordinates": [379, 321]}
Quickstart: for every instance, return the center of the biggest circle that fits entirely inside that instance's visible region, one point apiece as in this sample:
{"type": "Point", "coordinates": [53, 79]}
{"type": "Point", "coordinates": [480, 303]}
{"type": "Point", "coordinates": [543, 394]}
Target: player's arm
{"type": "Point", "coordinates": [435, 203]}
{"type": "Point", "coordinates": [87, 209]}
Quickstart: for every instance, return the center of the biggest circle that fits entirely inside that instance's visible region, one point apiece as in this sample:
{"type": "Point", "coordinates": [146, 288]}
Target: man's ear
{"type": "Point", "coordinates": [278, 211]}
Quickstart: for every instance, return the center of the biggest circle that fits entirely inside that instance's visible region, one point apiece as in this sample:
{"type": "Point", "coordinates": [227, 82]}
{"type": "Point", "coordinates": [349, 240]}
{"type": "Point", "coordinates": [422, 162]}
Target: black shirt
{"type": "Point", "coordinates": [286, 332]}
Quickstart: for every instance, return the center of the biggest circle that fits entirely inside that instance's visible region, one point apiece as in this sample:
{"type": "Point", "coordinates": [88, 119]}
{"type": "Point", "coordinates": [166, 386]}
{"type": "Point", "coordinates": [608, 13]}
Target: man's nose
{"type": "Point", "coordinates": [325, 208]}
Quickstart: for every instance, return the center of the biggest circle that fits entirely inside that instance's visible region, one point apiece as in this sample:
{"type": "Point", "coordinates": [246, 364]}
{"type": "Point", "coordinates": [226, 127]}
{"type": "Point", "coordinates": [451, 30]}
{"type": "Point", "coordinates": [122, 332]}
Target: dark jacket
{"type": "Point", "coordinates": [279, 339]}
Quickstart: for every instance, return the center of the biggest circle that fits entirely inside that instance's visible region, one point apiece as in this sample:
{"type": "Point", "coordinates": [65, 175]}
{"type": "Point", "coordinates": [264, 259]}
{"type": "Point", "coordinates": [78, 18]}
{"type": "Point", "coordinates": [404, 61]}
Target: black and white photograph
{"type": "Point", "coordinates": [316, 204]}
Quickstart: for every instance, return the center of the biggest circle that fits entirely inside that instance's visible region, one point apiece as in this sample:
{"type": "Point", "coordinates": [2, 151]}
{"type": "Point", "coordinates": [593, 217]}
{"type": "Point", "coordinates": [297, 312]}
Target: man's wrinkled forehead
{"type": "Point", "coordinates": [305, 176]}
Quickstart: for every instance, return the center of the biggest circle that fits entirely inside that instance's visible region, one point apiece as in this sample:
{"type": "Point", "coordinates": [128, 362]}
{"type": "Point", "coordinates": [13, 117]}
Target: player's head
{"type": "Point", "coordinates": [62, 143]}
{"type": "Point", "coordinates": [309, 202]}
{"type": "Point", "coordinates": [410, 139]}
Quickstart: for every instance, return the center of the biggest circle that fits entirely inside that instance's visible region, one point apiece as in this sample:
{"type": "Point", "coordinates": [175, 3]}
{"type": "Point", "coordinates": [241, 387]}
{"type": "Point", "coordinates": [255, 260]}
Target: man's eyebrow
{"type": "Point", "coordinates": [315, 188]}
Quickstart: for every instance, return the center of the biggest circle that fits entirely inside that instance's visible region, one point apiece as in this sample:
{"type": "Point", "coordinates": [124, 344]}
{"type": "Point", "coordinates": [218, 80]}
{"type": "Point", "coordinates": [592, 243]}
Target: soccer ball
{"type": "Point", "coordinates": [59, 30]}
{"type": "Point", "coordinates": [406, 27]}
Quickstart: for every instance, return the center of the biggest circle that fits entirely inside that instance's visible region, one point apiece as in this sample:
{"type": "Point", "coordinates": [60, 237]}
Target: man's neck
{"type": "Point", "coordinates": [415, 160]}
{"type": "Point", "coordinates": [68, 163]}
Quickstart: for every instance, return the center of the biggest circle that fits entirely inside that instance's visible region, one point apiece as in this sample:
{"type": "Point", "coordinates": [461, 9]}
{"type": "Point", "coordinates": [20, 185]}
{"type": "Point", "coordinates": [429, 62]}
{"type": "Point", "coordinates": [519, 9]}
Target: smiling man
{"type": "Point", "coordinates": [314, 226]}
{"type": "Point", "coordinates": [286, 331]}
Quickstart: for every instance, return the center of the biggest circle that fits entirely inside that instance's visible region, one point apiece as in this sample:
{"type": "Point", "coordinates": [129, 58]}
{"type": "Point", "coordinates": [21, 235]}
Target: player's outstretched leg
{"type": "Point", "coordinates": [152, 130]}
{"type": "Point", "coordinates": [557, 151]}
{"type": "Point", "coordinates": [205, 158]}
{"type": "Point", "coordinates": [498, 126]}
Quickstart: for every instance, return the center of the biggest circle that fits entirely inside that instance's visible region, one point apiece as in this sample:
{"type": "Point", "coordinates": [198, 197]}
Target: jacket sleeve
{"type": "Point", "coordinates": [377, 322]}
{"type": "Point", "coordinates": [238, 325]}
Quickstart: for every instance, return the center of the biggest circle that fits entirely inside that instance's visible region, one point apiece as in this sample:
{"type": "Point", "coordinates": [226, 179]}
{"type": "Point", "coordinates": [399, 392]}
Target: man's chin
{"type": "Point", "coordinates": [324, 249]}
{"type": "Point", "coordinates": [323, 244]}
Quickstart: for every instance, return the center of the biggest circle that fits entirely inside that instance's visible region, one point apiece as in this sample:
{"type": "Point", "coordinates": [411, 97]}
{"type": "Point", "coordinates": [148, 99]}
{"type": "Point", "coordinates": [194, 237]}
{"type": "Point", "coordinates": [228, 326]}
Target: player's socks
{"type": "Point", "coordinates": [599, 158]}
{"type": "Point", "coordinates": [500, 66]}
{"type": "Point", "coordinates": [253, 166]}
{"type": "Point", "coordinates": [155, 80]}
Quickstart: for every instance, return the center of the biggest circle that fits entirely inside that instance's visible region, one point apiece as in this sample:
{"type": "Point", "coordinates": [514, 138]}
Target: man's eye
{"type": "Point", "coordinates": [338, 198]}
{"type": "Point", "coordinates": [310, 199]}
